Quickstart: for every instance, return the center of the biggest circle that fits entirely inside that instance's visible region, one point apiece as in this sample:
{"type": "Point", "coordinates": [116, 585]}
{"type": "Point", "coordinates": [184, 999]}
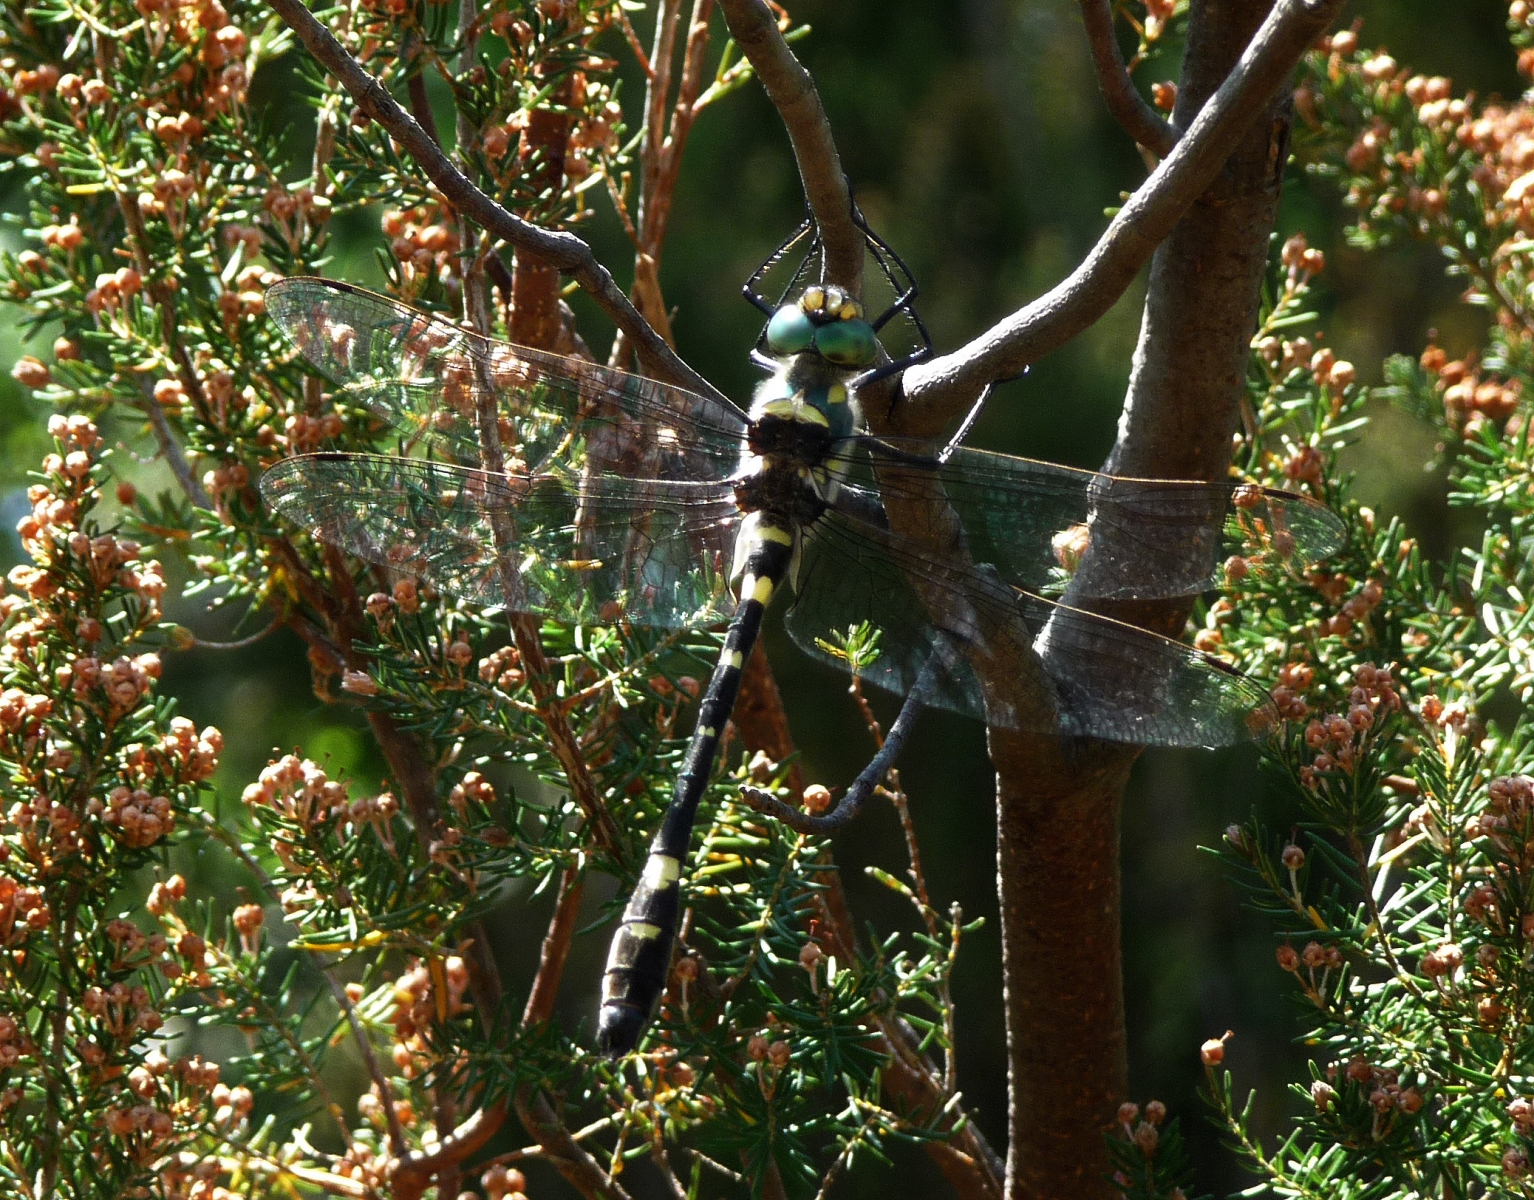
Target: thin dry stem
{"type": "Point", "coordinates": [940, 391]}
{"type": "Point", "coordinates": [1129, 108]}
{"type": "Point", "coordinates": [755, 29]}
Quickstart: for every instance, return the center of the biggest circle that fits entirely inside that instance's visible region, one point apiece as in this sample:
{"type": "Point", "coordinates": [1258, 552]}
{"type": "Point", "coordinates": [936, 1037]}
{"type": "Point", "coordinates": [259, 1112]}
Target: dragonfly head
{"type": "Point", "coordinates": [828, 321]}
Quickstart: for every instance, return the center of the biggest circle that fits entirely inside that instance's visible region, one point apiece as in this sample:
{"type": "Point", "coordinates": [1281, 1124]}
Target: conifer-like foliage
{"type": "Point", "coordinates": [1403, 896]}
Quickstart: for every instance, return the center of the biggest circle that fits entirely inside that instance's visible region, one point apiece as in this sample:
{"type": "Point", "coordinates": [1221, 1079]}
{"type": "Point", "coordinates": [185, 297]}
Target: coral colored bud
{"type": "Point", "coordinates": [1212, 1052]}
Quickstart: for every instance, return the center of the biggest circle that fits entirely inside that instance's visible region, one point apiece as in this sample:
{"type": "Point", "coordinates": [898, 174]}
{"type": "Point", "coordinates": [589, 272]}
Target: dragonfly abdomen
{"type": "Point", "coordinates": [639, 960]}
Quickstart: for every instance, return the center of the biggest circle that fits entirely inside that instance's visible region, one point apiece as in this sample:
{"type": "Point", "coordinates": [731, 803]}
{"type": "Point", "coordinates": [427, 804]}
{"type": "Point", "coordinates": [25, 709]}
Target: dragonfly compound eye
{"type": "Point", "coordinates": [848, 343]}
{"type": "Point", "coordinates": [790, 331]}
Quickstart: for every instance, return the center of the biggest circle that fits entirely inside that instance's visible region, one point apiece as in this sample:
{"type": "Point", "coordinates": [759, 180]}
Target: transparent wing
{"type": "Point", "coordinates": [1107, 680]}
{"type": "Point", "coordinates": [580, 548]}
{"type": "Point", "coordinates": [439, 386]}
{"type": "Point", "coordinates": [1038, 522]}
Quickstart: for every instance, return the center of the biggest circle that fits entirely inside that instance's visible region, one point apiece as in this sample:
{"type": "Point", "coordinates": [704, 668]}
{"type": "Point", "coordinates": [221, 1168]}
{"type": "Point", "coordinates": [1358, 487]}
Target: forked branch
{"type": "Point", "coordinates": [939, 391]}
{"type": "Point", "coordinates": [565, 251]}
{"type": "Point", "coordinates": [1129, 108]}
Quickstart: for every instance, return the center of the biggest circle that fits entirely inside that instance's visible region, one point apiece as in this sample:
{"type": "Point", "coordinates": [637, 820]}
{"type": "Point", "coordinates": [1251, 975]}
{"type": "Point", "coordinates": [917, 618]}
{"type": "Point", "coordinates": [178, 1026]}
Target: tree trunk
{"type": "Point", "coordinates": [1058, 805]}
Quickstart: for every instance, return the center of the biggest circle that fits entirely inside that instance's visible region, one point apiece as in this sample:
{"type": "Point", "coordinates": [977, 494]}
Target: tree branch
{"type": "Point", "coordinates": [1130, 109]}
{"type": "Point", "coordinates": [1058, 825]}
{"type": "Point", "coordinates": [792, 92]}
{"type": "Point", "coordinates": [565, 251]}
{"type": "Point", "coordinates": [938, 391]}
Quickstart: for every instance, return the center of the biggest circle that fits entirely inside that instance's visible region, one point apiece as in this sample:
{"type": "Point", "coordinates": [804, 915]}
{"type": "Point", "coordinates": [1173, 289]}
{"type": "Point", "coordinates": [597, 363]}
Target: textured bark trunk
{"type": "Point", "coordinates": [1058, 820]}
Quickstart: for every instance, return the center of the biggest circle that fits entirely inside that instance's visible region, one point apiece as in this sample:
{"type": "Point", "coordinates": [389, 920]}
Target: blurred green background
{"type": "Point", "coordinates": [979, 148]}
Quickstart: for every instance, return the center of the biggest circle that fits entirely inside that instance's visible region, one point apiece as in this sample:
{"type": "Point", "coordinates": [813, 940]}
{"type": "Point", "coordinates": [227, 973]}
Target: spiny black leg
{"type": "Point", "coordinates": [772, 260]}
{"type": "Point", "coordinates": [862, 787]}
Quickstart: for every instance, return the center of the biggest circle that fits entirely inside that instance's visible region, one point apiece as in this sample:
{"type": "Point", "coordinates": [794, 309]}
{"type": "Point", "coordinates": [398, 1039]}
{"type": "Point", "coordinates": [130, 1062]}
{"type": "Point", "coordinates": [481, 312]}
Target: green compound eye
{"type": "Point", "coordinates": [847, 343]}
{"type": "Point", "coordinates": [789, 331]}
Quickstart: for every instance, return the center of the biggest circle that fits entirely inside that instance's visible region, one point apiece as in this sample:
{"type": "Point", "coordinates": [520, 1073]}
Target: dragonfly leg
{"type": "Point", "coordinates": [862, 787]}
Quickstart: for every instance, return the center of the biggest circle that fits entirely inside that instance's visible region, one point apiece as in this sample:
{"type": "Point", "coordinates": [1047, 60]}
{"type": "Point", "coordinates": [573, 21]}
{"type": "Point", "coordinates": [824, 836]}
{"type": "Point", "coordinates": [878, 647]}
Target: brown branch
{"type": "Point", "coordinates": [792, 92]}
{"type": "Point", "coordinates": [1129, 108]}
{"type": "Point", "coordinates": [564, 251]}
{"type": "Point", "coordinates": [1058, 846]}
{"type": "Point", "coordinates": [939, 391]}
{"type": "Point", "coordinates": [555, 949]}
{"type": "Point", "coordinates": [967, 1161]}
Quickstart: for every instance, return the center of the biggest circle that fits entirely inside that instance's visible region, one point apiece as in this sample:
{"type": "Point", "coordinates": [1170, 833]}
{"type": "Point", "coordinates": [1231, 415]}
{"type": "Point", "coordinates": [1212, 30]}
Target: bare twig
{"type": "Point", "coordinates": [1130, 109]}
{"type": "Point", "coordinates": [555, 949]}
{"type": "Point", "coordinates": [792, 92]}
{"type": "Point", "coordinates": [562, 250]}
{"type": "Point", "coordinates": [938, 391]}
{"type": "Point", "coordinates": [170, 448]}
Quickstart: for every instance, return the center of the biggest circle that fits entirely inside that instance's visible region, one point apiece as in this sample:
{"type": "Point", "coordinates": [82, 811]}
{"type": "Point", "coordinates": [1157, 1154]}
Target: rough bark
{"type": "Point", "coordinates": [1058, 842]}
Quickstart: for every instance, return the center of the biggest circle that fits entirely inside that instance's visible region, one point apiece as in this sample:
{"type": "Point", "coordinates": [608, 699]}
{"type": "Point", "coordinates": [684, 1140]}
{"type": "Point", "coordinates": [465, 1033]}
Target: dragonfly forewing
{"type": "Point", "coordinates": [431, 381]}
{"type": "Point", "coordinates": [1045, 526]}
{"type": "Point", "coordinates": [588, 549]}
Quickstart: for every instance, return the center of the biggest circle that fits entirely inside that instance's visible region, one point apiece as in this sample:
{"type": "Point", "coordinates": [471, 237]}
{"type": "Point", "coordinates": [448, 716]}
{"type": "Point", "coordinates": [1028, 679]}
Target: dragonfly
{"type": "Point", "coordinates": [556, 486]}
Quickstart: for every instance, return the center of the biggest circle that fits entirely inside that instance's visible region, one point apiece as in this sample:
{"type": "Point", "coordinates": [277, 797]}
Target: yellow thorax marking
{"type": "Point", "coordinates": [795, 410]}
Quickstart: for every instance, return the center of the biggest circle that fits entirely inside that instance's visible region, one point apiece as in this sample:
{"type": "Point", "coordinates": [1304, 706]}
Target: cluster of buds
{"type": "Point", "coordinates": [1286, 356]}
{"type": "Point", "coordinates": [142, 1127]}
{"type": "Point", "coordinates": [503, 1183]}
{"type": "Point", "coordinates": [502, 668]}
{"type": "Point", "coordinates": [112, 288]}
{"type": "Point", "coordinates": [22, 713]}
{"type": "Point", "coordinates": [1380, 1085]}
{"type": "Point", "coordinates": [774, 1055]}
{"type": "Point", "coordinates": [1454, 715]}
{"type": "Point", "coordinates": [1507, 822]}
{"type": "Point", "coordinates": [131, 946]}
{"type": "Point", "coordinates": [1442, 963]}
{"type": "Point", "coordinates": [299, 790]}
{"type": "Point", "coordinates": [165, 894]}
{"type": "Point", "coordinates": [246, 300]}
{"type": "Point", "coordinates": [43, 823]}
{"type": "Point", "coordinates": [14, 1042]}
{"type": "Point", "coordinates": [122, 1011]}
{"type": "Point", "coordinates": [303, 433]}
{"type": "Point", "coordinates": [231, 1105]}
{"type": "Point", "coordinates": [124, 681]}
{"type": "Point", "coordinates": [1301, 260]}
{"type": "Point", "coordinates": [176, 128]}
{"type": "Point", "coordinates": [191, 756]}
{"type": "Point", "coordinates": [497, 138]}
{"type": "Point", "coordinates": [1338, 739]}
{"type": "Point", "coordinates": [596, 132]}
{"type": "Point", "coordinates": [23, 911]}
{"type": "Point", "coordinates": [225, 480]}
{"type": "Point", "coordinates": [1294, 680]}
{"type": "Point", "coordinates": [1317, 960]}
{"type": "Point", "coordinates": [424, 241]}
{"type": "Point", "coordinates": [424, 997]}
{"type": "Point", "coordinates": [38, 81]}
{"type": "Point", "coordinates": [81, 93]}
{"type": "Point", "coordinates": [136, 818]}
{"type": "Point", "coordinates": [1471, 399]}
{"type": "Point", "coordinates": [1143, 1129]}
{"type": "Point", "coordinates": [475, 789]}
